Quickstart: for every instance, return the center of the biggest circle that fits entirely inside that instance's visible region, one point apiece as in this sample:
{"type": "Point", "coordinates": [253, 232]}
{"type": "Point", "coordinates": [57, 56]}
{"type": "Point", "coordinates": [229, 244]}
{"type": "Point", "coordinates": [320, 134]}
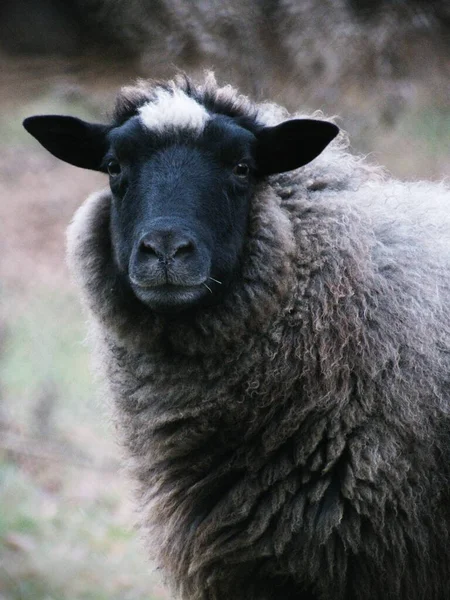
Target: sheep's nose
{"type": "Point", "coordinates": [166, 244]}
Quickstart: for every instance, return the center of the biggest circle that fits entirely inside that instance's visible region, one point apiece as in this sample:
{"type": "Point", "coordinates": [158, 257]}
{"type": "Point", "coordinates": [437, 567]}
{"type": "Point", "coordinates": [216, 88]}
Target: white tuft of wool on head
{"type": "Point", "coordinates": [173, 109]}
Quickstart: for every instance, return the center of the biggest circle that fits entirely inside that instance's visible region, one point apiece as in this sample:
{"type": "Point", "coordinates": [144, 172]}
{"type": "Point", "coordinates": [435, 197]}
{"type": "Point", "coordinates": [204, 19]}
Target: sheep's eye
{"type": "Point", "coordinates": [114, 168]}
{"type": "Point", "coordinates": [241, 170]}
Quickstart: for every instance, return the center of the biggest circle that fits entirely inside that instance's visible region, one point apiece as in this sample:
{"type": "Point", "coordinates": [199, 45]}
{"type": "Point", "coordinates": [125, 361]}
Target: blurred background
{"type": "Point", "coordinates": [66, 516]}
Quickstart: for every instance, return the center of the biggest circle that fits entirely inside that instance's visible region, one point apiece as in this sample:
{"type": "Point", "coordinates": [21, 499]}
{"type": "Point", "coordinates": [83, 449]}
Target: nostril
{"type": "Point", "coordinates": [148, 247]}
{"type": "Point", "coordinates": [183, 248]}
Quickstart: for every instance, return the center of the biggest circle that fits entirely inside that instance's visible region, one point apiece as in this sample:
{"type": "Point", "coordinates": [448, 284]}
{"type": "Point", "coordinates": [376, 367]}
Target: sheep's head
{"type": "Point", "coordinates": [183, 167]}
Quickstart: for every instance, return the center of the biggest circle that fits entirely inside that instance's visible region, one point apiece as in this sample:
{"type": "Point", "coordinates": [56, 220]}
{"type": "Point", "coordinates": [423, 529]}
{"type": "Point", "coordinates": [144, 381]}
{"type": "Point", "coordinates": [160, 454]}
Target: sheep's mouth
{"type": "Point", "coordinates": [169, 297]}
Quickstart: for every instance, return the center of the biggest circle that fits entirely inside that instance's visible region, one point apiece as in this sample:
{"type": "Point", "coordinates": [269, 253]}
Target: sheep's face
{"type": "Point", "coordinates": [179, 211]}
{"type": "Point", "coordinates": [182, 180]}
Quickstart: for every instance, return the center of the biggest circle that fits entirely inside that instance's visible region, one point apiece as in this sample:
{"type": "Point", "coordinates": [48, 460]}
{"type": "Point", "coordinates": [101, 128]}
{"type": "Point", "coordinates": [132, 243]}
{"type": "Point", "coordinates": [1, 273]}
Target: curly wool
{"type": "Point", "coordinates": [292, 442]}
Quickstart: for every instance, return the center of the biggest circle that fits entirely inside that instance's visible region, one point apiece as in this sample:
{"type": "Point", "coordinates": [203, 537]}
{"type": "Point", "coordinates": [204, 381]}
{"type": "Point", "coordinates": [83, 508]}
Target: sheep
{"type": "Point", "coordinates": [272, 317]}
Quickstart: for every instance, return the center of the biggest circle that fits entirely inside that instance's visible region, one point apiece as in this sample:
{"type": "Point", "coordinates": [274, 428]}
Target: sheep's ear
{"type": "Point", "coordinates": [72, 140]}
{"type": "Point", "coordinates": [292, 144]}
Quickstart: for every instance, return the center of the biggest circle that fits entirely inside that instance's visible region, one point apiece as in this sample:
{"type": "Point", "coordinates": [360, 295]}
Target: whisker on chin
{"type": "Point", "coordinates": [215, 280]}
{"type": "Point", "coordinates": [207, 287]}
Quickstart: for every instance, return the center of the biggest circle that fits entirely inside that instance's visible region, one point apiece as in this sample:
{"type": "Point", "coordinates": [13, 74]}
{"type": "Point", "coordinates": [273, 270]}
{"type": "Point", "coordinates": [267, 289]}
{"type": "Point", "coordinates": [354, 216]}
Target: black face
{"type": "Point", "coordinates": [181, 199]}
{"type": "Point", "coordinates": [180, 209]}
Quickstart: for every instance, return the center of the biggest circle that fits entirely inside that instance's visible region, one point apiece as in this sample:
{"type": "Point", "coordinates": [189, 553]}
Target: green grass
{"type": "Point", "coordinates": [46, 353]}
{"type": "Point", "coordinates": [416, 147]}
{"type": "Point", "coordinates": [54, 546]}
{"type": "Point", "coordinates": [51, 102]}
{"type": "Point", "coordinates": [430, 127]}
{"type": "Point", "coordinates": [65, 512]}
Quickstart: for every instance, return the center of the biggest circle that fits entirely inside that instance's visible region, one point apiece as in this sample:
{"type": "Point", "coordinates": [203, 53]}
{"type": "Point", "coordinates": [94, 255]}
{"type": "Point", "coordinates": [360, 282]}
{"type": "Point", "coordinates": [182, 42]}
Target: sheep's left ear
{"type": "Point", "coordinates": [72, 140]}
{"type": "Point", "coordinates": [292, 144]}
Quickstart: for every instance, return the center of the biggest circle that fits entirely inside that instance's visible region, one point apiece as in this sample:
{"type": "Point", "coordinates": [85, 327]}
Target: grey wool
{"type": "Point", "coordinates": [292, 441]}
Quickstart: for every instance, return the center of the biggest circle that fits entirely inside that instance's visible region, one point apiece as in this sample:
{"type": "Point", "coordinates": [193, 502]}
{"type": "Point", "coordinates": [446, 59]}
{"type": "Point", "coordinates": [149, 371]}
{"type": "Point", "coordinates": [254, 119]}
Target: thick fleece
{"type": "Point", "coordinates": [293, 441]}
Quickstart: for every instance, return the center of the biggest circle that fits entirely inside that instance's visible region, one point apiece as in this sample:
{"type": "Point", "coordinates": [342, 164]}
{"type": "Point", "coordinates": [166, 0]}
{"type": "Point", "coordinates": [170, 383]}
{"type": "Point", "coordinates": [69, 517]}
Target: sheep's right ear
{"type": "Point", "coordinates": [72, 140]}
{"type": "Point", "coordinates": [292, 144]}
